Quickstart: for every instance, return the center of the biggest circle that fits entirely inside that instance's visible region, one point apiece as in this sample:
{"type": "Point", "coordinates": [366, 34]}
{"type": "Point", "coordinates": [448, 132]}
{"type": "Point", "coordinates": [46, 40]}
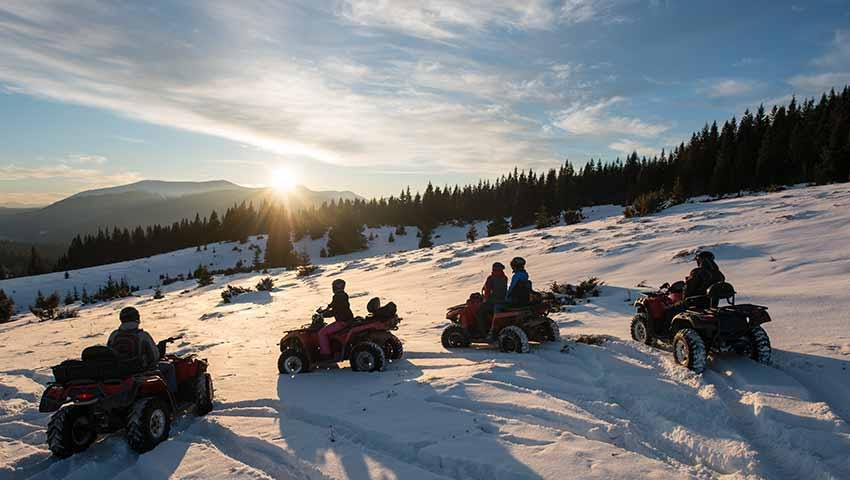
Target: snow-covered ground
{"type": "Point", "coordinates": [620, 410]}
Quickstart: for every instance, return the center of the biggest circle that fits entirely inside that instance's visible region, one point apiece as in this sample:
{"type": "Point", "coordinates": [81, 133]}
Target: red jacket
{"type": "Point", "coordinates": [496, 287]}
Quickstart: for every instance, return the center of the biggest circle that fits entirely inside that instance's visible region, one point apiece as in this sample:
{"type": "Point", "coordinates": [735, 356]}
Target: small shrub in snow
{"type": "Point", "coordinates": [69, 299]}
{"type": "Point", "coordinates": [587, 288]}
{"type": "Point", "coordinates": [472, 233]}
{"type": "Point", "coordinates": [391, 238]}
{"type": "Point", "coordinates": [498, 226]}
{"type": "Point", "coordinates": [425, 237]}
{"type": "Point", "coordinates": [203, 276]}
{"type": "Point", "coordinates": [7, 307]}
{"type": "Point", "coordinates": [542, 218]}
{"type": "Point", "coordinates": [67, 313]}
{"type": "Point", "coordinates": [230, 291]}
{"type": "Point", "coordinates": [45, 307]}
{"type": "Point", "coordinates": [306, 270]}
{"type": "Point", "coordinates": [323, 253]}
{"type": "Point", "coordinates": [571, 217]}
{"type": "Point", "coordinates": [157, 294]}
{"type": "Point", "coordinates": [400, 230]}
{"type": "Point", "coordinates": [265, 285]}
{"type": "Point", "coordinates": [647, 204]}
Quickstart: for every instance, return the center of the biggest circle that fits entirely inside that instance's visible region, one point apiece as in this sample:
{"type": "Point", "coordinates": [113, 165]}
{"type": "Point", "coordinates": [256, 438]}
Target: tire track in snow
{"type": "Point", "coordinates": [780, 444]}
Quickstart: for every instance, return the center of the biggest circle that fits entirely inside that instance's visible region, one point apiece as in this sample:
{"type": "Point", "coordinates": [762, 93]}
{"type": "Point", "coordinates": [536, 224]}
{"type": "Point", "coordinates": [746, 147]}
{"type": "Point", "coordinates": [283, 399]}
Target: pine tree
{"type": "Point", "coordinates": [69, 299]}
{"type": "Point", "coordinates": [36, 264]}
{"type": "Point", "coordinates": [425, 237]}
{"type": "Point", "coordinates": [391, 238]}
{"type": "Point", "coordinates": [542, 219]}
{"type": "Point", "coordinates": [203, 276]}
{"type": "Point", "coordinates": [279, 249]}
{"type": "Point", "coordinates": [499, 226]}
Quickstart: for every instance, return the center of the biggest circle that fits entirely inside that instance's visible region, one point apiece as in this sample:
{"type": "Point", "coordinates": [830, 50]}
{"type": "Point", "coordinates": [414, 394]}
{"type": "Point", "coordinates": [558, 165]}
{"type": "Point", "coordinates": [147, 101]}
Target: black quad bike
{"type": "Point", "coordinates": [103, 393]}
{"type": "Point", "coordinates": [704, 326]}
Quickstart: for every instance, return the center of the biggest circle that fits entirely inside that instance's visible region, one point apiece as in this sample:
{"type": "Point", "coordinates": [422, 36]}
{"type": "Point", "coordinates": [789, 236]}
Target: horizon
{"type": "Point", "coordinates": [371, 99]}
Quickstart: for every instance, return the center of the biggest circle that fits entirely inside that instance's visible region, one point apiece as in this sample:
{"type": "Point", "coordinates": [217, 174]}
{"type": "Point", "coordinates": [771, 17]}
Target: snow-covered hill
{"type": "Point", "coordinates": [620, 410]}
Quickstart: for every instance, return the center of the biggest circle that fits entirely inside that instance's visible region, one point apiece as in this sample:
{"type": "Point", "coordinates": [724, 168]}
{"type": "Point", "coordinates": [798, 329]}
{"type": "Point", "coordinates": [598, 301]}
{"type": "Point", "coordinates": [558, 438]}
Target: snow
{"type": "Point", "coordinates": [617, 410]}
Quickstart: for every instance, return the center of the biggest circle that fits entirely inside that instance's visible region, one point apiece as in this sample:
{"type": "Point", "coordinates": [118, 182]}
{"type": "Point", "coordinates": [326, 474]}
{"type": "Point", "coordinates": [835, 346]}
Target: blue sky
{"type": "Point", "coordinates": [374, 95]}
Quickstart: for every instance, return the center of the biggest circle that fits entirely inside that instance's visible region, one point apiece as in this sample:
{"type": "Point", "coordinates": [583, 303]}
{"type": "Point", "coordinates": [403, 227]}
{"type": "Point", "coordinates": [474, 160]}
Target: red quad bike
{"type": "Point", "coordinates": [367, 342]}
{"type": "Point", "coordinates": [515, 326]}
{"type": "Point", "coordinates": [705, 327]}
{"type": "Point", "coordinates": [103, 393]}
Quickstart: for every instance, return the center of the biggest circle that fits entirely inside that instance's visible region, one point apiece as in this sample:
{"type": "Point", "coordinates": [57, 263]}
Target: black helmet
{"type": "Point", "coordinates": [517, 263]}
{"type": "Point", "coordinates": [498, 266]}
{"type": "Point", "coordinates": [704, 255]}
{"type": "Point", "coordinates": [129, 314]}
{"type": "Point", "coordinates": [338, 285]}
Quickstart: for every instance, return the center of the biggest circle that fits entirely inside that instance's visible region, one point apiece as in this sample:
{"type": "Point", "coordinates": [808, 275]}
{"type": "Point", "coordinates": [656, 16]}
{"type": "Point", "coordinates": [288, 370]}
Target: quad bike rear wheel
{"type": "Point", "coordinates": [292, 361]}
{"type": "Point", "coordinates": [204, 395]}
{"type": "Point", "coordinates": [71, 430]}
{"type": "Point", "coordinates": [393, 348]}
{"type": "Point", "coordinates": [760, 350]}
{"type": "Point", "coordinates": [640, 330]}
{"type": "Point", "coordinates": [689, 350]}
{"type": "Point", "coordinates": [148, 424]}
{"type": "Point", "coordinates": [513, 339]}
{"type": "Point", "coordinates": [367, 357]}
{"type": "Point", "coordinates": [455, 336]}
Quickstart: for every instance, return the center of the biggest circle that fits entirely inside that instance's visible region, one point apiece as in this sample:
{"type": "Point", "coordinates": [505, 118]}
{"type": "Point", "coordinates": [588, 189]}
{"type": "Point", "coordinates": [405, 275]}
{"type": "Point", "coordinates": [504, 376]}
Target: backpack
{"type": "Point", "coordinates": [127, 344]}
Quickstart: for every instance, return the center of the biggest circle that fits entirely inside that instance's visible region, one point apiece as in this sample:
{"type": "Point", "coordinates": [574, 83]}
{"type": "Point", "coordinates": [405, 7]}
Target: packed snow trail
{"type": "Point", "coordinates": [616, 410]}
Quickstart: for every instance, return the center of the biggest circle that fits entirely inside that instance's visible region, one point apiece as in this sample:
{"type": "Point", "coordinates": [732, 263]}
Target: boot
{"type": "Point", "coordinates": [491, 336]}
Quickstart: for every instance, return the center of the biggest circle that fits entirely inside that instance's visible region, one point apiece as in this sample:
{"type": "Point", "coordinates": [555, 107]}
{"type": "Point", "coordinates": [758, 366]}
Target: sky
{"type": "Point", "coordinates": [372, 96]}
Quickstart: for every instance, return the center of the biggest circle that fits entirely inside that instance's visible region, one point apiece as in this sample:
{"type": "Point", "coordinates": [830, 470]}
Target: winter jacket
{"type": "Point", "coordinates": [130, 341]}
{"type": "Point", "coordinates": [701, 278]}
{"type": "Point", "coordinates": [519, 292]}
{"type": "Point", "coordinates": [495, 287]}
{"type": "Point", "coordinates": [339, 308]}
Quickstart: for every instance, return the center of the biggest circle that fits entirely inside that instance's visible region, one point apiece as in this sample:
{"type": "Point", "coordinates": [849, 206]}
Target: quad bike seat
{"type": "Point", "coordinates": [376, 310]}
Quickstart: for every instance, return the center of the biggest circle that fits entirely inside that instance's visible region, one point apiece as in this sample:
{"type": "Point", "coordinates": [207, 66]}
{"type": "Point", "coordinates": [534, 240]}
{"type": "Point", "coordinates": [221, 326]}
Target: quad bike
{"type": "Point", "coordinates": [366, 342]}
{"type": "Point", "coordinates": [103, 393]}
{"type": "Point", "coordinates": [704, 327]}
{"type": "Point", "coordinates": [515, 326]}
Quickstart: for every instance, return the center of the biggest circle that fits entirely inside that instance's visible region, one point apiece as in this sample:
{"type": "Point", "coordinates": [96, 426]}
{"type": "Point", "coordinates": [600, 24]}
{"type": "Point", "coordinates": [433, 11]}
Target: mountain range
{"type": "Point", "coordinates": [147, 202]}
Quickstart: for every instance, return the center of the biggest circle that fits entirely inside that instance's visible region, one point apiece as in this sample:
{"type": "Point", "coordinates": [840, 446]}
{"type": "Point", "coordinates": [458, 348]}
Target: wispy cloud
{"type": "Point", "coordinates": [729, 88]}
{"type": "Point", "coordinates": [628, 146]}
{"type": "Point", "coordinates": [595, 120]}
{"type": "Point", "coordinates": [838, 55]}
{"type": "Point", "coordinates": [88, 176]}
{"type": "Point", "coordinates": [820, 82]}
{"type": "Point", "coordinates": [85, 159]}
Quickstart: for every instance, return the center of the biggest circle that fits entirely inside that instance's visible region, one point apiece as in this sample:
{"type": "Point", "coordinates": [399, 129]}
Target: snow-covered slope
{"type": "Point", "coordinates": [620, 410]}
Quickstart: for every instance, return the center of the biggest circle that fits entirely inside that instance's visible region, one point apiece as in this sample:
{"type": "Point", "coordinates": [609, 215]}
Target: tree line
{"type": "Point", "coordinates": [806, 141]}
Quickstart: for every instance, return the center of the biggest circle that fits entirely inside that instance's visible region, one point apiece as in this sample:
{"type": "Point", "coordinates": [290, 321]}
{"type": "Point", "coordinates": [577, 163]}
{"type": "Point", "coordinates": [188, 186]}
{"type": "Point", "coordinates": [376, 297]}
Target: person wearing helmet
{"type": "Point", "coordinates": [519, 291]}
{"type": "Point", "coordinates": [495, 290]}
{"type": "Point", "coordinates": [705, 275]}
{"type": "Point", "coordinates": [340, 310]}
{"type": "Point", "coordinates": [129, 341]}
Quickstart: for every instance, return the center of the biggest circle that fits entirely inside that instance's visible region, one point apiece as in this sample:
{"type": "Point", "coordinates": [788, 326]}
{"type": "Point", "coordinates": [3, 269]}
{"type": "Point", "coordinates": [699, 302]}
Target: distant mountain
{"type": "Point", "coordinates": [143, 203]}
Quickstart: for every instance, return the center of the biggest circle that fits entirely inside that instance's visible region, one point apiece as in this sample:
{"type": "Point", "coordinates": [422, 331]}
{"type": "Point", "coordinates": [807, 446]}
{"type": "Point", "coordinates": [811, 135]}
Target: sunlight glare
{"type": "Point", "coordinates": [283, 180]}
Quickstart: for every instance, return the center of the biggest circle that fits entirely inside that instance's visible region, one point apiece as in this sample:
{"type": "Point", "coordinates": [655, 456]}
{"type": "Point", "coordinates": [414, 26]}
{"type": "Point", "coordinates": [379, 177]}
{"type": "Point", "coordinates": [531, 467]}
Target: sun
{"type": "Point", "coordinates": [283, 180]}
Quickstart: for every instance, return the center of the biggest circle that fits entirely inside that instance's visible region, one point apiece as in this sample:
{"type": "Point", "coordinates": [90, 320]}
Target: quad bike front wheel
{"type": "Point", "coordinates": [760, 350]}
{"type": "Point", "coordinates": [204, 395]}
{"type": "Point", "coordinates": [689, 350]}
{"type": "Point", "coordinates": [148, 424]}
{"type": "Point", "coordinates": [455, 336]}
{"type": "Point", "coordinates": [513, 339]}
{"type": "Point", "coordinates": [554, 334]}
{"type": "Point", "coordinates": [367, 357]}
{"type": "Point", "coordinates": [71, 430]}
{"type": "Point", "coordinates": [393, 348]}
{"type": "Point", "coordinates": [640, 330]}
{"type": "Point", "coordinates": [292, 361]}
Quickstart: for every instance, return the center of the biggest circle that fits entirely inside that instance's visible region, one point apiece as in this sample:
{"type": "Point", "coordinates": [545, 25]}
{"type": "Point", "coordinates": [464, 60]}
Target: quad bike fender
{"type": "Point", "coordinates": [155, 386]}
{"type": "Point", "coordinates": [693, 321]}
{"type": "Point", "coordinates": [290, 341]}
{"type": "Point", "coordinates": [52, 399]}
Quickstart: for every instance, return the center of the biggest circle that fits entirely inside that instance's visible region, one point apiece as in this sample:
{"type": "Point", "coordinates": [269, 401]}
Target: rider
{"type": "Point", "coordinates": [519, 291]}
{"type": "Point", "coordinates": [130, 341]}
{"type": "Point", "coordinates": [697, 282]}
{"type": "Point", "coordinates": [495, 290]}
{"type": "Point", "coordinates": [705, 275]}
{"type": "Point", "coordinates": [340, 309]}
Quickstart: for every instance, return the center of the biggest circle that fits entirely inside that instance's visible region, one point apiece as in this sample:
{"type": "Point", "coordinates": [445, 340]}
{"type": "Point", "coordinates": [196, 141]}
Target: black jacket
{"type": "Point", "coordinates": [340, 308]}
{"type": "Point", "coordinates": [701, 278]}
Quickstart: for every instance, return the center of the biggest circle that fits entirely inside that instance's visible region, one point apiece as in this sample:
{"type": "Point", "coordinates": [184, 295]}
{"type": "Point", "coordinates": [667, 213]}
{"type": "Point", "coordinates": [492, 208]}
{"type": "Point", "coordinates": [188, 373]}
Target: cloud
{"type": "Point", "coordinates": [83, 159]}
{"type": "Point", "coordinates": [628, 146]}
{"type": "Point", "coordinates": [838, 55]}
{"type": "Point", "coordinates": [63, 171]}
{"type": "Point", "coordinates": [578, 11]}
{"type": "Point", "coordinates": [297, 103]}
{"type": "Point", "coordinates": [729, 88]}
{"type": "Point", "coordinates": [445, 20]}
{"type": "Point", "coordinates": [594, 120]}
{"type": "Point", "coordinates": [820, 82]}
